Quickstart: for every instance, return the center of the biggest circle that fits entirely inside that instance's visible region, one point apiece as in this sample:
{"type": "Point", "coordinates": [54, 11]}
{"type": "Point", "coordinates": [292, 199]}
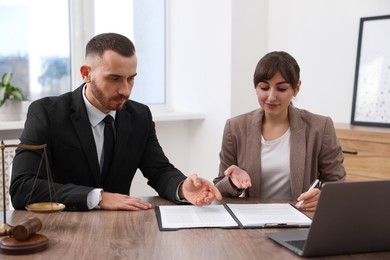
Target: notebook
{"type": "Point", "coordinates": [351, 217]}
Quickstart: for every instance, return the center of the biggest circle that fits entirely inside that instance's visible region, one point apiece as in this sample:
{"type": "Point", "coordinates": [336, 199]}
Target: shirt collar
{"type": "Point", "coordinates": [94, 114]}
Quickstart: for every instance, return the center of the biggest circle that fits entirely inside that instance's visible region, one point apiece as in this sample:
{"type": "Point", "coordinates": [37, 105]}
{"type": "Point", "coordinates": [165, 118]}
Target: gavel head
{"type": "Point", "coordinates": [25, 229]}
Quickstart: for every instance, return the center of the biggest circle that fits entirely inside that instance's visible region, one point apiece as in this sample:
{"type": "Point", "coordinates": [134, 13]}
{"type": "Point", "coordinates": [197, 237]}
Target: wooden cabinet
{"type": "Point", "coordinates": [366, 151]}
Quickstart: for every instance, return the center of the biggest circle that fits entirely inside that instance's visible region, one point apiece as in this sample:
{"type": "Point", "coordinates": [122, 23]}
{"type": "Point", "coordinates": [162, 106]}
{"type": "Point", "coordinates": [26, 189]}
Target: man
{"type": "Point", "coordinates": [72, 126]}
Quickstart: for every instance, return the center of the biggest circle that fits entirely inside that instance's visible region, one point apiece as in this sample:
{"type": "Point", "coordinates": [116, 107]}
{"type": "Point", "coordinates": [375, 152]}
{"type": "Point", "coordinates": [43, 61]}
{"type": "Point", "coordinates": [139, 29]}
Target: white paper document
{"type": "Point", "coordinates": [186, 216]}
{"type": "Point", "coordinates": [230, 216]}
{"type": "Point", "coordinates": [274, 214]}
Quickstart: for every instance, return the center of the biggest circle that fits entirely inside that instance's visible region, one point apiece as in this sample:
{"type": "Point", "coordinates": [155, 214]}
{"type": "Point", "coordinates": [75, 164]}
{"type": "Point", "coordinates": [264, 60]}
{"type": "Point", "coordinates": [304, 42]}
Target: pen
{"type": "Point", "coordinates": [282, 225]}
{"type": "Point", "coordinates": [311, 187]}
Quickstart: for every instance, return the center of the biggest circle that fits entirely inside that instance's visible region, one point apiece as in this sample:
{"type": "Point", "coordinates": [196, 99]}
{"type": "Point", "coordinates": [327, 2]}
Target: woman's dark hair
{"type": "Point", "coordinates": [277, 61]}
{"type": "Point", "coordinates": [109, 41]}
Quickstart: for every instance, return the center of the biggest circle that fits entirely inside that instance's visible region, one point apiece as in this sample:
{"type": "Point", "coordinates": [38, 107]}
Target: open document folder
{"type": "Point", "coordinates": [230, 216]}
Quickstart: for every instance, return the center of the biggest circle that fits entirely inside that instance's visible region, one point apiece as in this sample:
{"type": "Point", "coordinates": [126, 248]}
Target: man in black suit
{"type": "Point", "coordinates": [71, 125]}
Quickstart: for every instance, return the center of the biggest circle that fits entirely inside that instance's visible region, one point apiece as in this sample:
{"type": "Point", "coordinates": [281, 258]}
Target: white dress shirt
{"type": "Point", "coordinates": [96, 119]}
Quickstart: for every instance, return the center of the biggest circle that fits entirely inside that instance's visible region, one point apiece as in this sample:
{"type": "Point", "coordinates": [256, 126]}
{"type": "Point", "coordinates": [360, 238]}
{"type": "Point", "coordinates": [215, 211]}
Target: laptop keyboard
{"type": "Point", "coordinates": [297, 243]}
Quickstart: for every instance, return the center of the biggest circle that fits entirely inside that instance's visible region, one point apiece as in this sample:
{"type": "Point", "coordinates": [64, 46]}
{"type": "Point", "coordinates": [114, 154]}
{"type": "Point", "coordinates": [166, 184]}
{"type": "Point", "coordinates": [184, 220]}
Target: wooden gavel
{"type": "Point", "coordinates": [25, 229]}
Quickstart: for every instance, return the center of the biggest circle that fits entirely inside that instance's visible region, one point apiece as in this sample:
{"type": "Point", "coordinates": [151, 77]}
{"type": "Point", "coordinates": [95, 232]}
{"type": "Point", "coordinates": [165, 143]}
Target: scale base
{"type": "Point", "coordinates": [5, 229]}
{"type": "Point", "coordinates": [11, 246]}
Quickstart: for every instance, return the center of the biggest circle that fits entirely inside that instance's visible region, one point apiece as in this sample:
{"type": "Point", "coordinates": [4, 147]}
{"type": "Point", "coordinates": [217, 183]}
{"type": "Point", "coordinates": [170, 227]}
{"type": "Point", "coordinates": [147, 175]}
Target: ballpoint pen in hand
{"type": "Point", "coordinates": [312, 186]}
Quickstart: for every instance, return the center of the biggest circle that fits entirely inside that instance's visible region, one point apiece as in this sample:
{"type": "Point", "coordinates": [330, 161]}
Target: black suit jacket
{"type": "Point", "coordinates": [62, 123]}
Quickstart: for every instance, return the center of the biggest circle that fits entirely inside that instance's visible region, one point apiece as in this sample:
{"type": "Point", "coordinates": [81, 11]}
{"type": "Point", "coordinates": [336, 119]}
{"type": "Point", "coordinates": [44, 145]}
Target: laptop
{"type": "Point", "coordinates": [351, 217]}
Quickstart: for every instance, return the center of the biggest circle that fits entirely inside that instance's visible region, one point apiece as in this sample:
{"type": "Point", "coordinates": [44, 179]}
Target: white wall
{"type": "Point", "coordinates": [199, 77]}
{"type": "Point", "coordinates": [322, 36]}
{"type": "Point", "coordinates": [249, 43]}
{"type": "Point", "coordinates": [214, 46]}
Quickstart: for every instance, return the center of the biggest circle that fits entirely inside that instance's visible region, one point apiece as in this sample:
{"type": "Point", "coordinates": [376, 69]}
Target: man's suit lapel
{"type": "Point", "coordinates": [123, 128]}
{"type": "Point", "coordinates": [82, 126]}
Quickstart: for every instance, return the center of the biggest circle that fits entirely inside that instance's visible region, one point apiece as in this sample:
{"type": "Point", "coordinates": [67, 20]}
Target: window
{"type": "Point", "coordinates": [144, 23]}
{"type": "Point", "coordinates": [35, 46]}
{"type": "Point", "coordinates": [45, 48]}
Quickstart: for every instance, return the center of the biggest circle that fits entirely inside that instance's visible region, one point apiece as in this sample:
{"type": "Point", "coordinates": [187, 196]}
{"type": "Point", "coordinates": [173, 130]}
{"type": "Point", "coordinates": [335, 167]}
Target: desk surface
{"type": "Point", "coordinates": [135, 235]}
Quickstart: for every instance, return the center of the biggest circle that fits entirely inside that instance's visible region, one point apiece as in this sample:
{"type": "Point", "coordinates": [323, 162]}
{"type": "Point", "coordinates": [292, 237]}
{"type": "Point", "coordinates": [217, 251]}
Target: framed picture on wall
{"type": "Point", "coordinates": [371, 95]}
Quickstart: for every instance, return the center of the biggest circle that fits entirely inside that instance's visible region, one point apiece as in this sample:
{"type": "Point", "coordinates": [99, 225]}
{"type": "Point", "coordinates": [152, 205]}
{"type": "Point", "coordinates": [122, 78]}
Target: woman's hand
{"type": "Point", "coordinates": [308, 200]}
{"type": "Point", "coordinates": [239, 177]}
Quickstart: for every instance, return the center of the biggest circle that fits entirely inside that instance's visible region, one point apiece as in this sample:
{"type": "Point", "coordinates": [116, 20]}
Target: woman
{"type": "Point", "coordinates": [278, 150]}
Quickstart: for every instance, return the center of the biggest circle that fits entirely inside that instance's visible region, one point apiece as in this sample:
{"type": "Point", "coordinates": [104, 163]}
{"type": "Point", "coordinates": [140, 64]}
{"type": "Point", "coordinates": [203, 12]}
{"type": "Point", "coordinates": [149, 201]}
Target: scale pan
{"type": "Point", "coordinates": [45, 207]}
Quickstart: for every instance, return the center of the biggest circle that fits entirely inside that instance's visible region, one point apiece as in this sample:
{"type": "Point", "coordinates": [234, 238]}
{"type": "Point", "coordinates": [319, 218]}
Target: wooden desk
{"type": "Point", "coordinates": [135, 235]}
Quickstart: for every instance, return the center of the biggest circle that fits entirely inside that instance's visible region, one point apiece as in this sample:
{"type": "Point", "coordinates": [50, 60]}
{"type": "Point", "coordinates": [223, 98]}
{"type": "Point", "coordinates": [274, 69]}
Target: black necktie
{"type": "Point", "coordinates": [108, 145]}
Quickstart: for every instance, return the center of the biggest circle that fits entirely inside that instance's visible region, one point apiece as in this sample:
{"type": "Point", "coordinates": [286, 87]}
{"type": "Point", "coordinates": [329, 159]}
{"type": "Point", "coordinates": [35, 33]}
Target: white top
{"type": "Point", "coordinates": [275, 168]}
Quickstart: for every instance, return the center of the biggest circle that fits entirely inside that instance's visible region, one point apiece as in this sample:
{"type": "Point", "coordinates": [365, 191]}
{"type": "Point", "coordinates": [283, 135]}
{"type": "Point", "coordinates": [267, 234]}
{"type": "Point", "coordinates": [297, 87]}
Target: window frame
{"type": "Point", "coordinates": [82, 30]}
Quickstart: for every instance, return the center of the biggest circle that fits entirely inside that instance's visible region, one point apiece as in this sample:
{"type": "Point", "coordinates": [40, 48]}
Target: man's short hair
{"type": "Point", "coordinates": [109, 41]}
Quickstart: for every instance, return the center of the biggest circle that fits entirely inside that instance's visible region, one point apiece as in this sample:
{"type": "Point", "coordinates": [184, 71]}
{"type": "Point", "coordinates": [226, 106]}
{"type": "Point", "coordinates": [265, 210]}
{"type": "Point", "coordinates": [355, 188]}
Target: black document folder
{"type": "Point", "coordinates": [261, 215]}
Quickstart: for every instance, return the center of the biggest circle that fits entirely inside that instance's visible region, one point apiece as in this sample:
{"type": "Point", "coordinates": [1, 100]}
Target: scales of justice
{"type": "Point", "coordinates": [23, 237]}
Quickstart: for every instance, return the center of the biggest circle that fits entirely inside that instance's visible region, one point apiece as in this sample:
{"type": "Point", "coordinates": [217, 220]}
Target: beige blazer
{"type": "Point", "coordinates": [315, 151]}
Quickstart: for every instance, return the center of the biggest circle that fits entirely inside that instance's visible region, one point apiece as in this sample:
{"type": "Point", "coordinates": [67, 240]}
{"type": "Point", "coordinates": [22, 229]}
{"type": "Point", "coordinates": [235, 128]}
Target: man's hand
{"type": "Point", "coordinates": [116, 201]}
{"type": "Point", "coordinates": [198, 191]}
{"type": "Point", "coordinates": [239, 177]}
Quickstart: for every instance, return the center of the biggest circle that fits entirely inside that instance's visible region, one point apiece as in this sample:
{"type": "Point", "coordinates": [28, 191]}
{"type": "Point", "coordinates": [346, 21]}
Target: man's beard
{"type": "Point", "coordinates": [105, 102]}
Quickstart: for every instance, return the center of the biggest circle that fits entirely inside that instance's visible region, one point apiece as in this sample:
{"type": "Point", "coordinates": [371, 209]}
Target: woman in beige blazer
{"type": "Point", "coordinates": [278, 150]}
